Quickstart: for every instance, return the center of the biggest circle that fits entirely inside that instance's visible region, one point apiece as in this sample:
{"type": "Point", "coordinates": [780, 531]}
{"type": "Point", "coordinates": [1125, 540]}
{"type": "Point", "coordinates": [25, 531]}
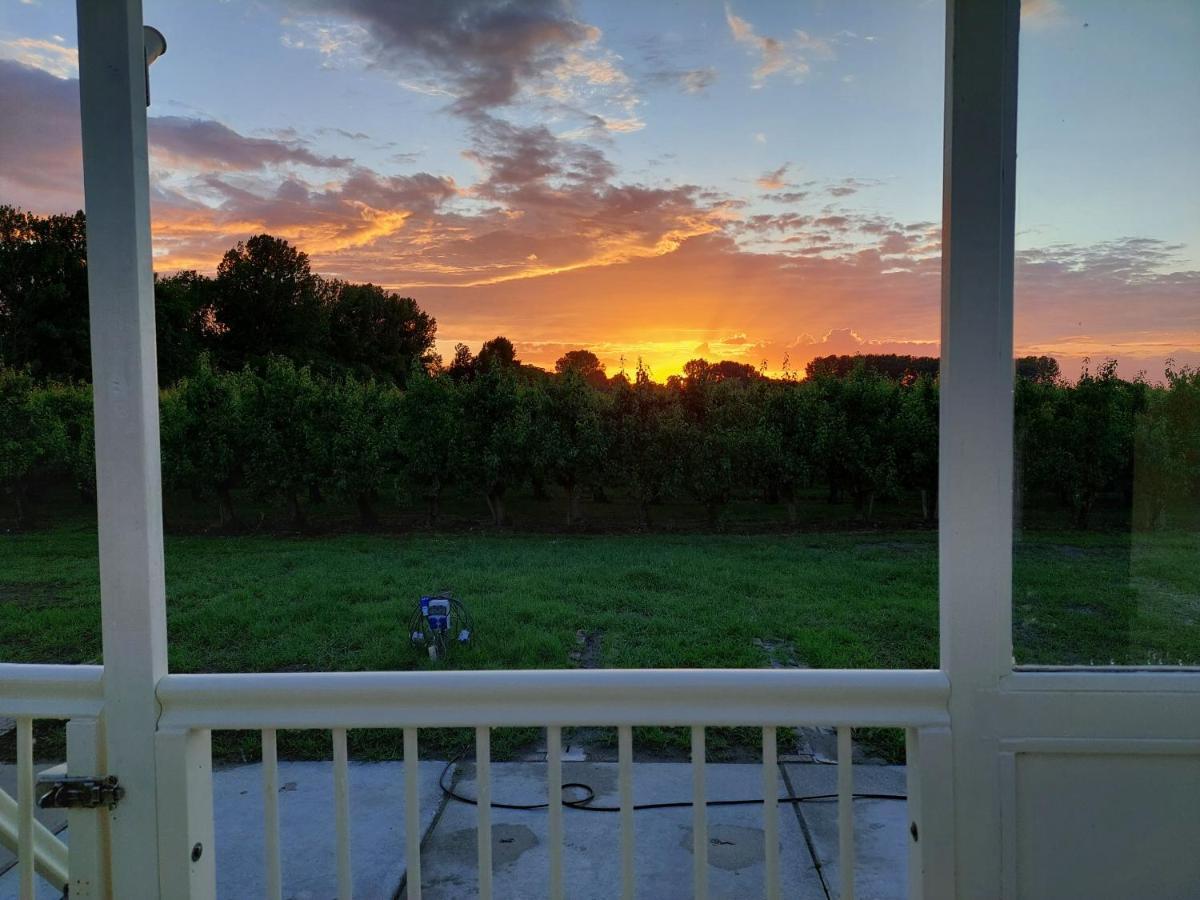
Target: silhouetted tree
{"type": "Point", "coordinates": [1040, 369]}
{"type": "Point", "coordinates": [376, 333]}
{"type": "Point", "coordinates": [498, 352]}
{"type": "Point", "coordinates": [183, 315]}
{"type": "Point", "coordinates": [268, 302]}
{"type": "Point", "coordinates": [43, 294]}
{"type": "Point", "coordinates": [584, 362]}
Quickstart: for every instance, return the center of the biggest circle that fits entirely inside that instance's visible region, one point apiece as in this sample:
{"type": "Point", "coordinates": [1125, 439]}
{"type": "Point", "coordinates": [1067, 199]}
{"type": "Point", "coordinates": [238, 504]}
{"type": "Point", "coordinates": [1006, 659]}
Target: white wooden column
{"type": "Point", "coordinates": [125, 378]}
{"type": "Point", "coordinates": [976, 444]}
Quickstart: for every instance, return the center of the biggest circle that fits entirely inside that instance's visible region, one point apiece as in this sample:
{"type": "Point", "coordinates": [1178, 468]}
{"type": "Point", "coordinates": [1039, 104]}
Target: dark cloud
{"type": "Point", "coordinates": [848, 186]}
{"type": "Point", "coordinates": [204, 143]}
{"type": "Point", "coordinates": [787, 196]}
{"type": "Point", "coordinates": [689, 81]}
{"type": "Point", "coordinates": [485, 50]}
{"type": "Point", "coordinates": [41, 159]}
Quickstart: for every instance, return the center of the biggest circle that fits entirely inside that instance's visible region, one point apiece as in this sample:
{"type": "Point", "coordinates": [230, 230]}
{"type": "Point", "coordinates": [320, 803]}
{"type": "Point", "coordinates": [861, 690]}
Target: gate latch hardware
{"type": "Point", "coordinates": [80, 793]}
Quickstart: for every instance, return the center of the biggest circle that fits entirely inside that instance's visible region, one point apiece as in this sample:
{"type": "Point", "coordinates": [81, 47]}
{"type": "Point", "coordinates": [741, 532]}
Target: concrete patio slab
{"type": "Point", "coordinates": [591, 853]}
{"type": "Point", "coordinates": [880, 828]}
{"type": "Point", "coordinates": [306, 825]}
{"type": "Point", "coordinates": [521, 857]}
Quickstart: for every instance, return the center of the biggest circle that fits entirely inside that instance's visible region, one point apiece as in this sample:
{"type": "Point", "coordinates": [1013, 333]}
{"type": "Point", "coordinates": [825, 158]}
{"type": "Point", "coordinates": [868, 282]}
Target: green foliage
{"type": "Point", "coordinates": [1082, 437]}
{"type": "Point", "coordinates": [31, 436]}
{"type": "Point", "coordinates": [496, 435]}
{"type": "Point", "coordinates": [784, 453]}
{"type": "Point", "coordinates": [426, 435]}
{"type": "Point", "coordinates": [288, 450]}
{"type": "Point", "coordinates": [43, 294]}
{"type": "Point", "coordinates": [206, 435]}
{"type": "Point", "coordinates": [1167, 447]}
{"type": "Point", "coordinates": [649, 439]}
{"type": "Point", "coordinates": [377, 334]}
{"type": "Point", "coordinates": [291, 435]}
{"type": "Point", "coordinates": [568, 437]}
{"type": "Point", "coordinates": [856, 435]}
{"type": "Point", "coordinates": [359, 420]}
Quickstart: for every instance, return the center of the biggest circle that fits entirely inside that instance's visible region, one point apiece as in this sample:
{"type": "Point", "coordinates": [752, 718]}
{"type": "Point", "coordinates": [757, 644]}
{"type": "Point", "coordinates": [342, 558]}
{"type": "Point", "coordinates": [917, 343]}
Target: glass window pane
{"type": "Point", "coordinates": [1107, 335]}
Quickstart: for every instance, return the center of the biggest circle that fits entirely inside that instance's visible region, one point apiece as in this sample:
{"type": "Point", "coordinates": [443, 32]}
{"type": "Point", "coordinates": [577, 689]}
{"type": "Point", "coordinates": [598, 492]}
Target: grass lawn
{"type": "Point", "coordinates": [850, 599]}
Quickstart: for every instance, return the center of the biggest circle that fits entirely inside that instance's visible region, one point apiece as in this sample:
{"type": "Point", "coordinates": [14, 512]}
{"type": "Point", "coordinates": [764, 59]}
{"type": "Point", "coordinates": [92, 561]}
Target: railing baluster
{"type": "Point", "coordinates": [554, 787]}
{"type": "Point", "coordinates": [625, 778]}
{"type": "Point", "coordinates": [270, 761]}
{"type": "Point", "coordinates": [699, 817]}
{"type": "Point", "coordinates": [412, 813]}
{"type": "Point", "coordinates": [483, 808]}
{"type": "Point", "coordinates": [771, 811]}
{"type": "Point", "coordinates": [845, 779]}
{"type": "Point", "coordinates": [341, 802]}
{"type": "Point", "coordinates": [25, 855]}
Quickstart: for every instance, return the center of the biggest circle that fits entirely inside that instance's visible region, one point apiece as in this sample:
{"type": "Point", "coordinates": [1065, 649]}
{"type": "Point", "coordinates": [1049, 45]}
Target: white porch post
{"type": "Point", "coordinates": [976, 450]}
{"type": "Point", "coordinates": [125, 379]}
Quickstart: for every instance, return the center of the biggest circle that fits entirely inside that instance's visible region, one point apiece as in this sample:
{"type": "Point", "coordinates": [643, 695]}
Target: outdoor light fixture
{"type": "Point", "coordinates": [156, 46]}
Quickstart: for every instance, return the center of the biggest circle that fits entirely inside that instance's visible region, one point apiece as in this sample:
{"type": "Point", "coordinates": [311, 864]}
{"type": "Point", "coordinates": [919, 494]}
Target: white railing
{"type": "Point", "coordinates": [36, 692]}
{"type": "Point", "coordinates": [844, 699]}
{"type": "Point", "coordinates": [192, 706]}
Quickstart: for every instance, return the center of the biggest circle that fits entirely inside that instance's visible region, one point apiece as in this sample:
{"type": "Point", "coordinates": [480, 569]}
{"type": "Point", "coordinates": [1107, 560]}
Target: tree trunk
{"type": "Point", "coordinates": [366, 511]}
{"type": "Point", "coordinates": [314, 493]}
{"type": "Point", "coordinates": [495, 498]}
{"type": "Point", "coordinates": [1083, 514]}
{"type": "Point", "coordinates": [644, 512]}
{"type": "Point", "coordinates": [572, 504]}
{"type": "Point", "coordinates": [225, 512]}
{"type": "Point", "coordinates": [539, 489]}
{"type": "Point", "coordinates": [19, 500]}
{"type": "Point", "coordinates": [793, 511]}
{"type": "Point", "coordinates": [924, 505]}
{"type": "Point", "coordinates": [870, 511]}
{"type": "Point", "coordinates": [598, 494]}
{"type": "Point", "coordinates": [298, 521]}
{"type": "Point", "coordinates": [433, 499]}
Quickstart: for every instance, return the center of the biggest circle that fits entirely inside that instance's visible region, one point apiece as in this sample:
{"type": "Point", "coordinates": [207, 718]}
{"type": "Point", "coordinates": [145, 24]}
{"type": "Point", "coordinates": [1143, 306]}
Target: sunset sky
{"type": "Point", "coordinates": [756, 181]}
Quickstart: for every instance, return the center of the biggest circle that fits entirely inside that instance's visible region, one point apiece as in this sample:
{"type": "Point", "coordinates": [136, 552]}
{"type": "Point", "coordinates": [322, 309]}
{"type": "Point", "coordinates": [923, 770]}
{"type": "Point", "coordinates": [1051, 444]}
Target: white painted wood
{"type": "Point", "coordinates": [25, 801]}
{"type": "Point", "coordinates": [49, 853]}
{"type": "Point", "coordinates": [341, 804]}
{"type": "Point", "coordinates": [845, 785]}
{"type": "Point", "coordinates": [699, 816]}
{"type": "Point", "coordinates": [186, 849]}
{"type": "Point", "coordinates": [271, 857]}
{"type": "Point", "coordinates": [754, 697]}
{"type": "Point", "coordinates": [412, 813]}
{"type": "Point", "coordinates": [112, 89]}
{"type": "Point", "coordinates": [483, 808]}
{"type": "Point", "coordinates": [88, 828]}
{"type": "Point", "coordinates": [50, 691]}
{"type": "Point", "coordinates": [554, 798]}
{"type": "Point", "coordinates": [625, 789]}
{"type": "Point", "coordinates": [771, 812]}
{"type": "Point", "coordinates": [930, 798]}
{"type": "Point", "coordinates": [976, 412]}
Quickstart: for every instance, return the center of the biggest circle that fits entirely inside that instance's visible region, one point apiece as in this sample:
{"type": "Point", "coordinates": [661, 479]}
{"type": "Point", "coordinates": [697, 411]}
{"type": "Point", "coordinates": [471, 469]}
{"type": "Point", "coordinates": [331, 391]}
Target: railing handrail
{"type": "Point", "coordinates": [50, 691]}
{"type": "Point", "coordinates": [879, 697]}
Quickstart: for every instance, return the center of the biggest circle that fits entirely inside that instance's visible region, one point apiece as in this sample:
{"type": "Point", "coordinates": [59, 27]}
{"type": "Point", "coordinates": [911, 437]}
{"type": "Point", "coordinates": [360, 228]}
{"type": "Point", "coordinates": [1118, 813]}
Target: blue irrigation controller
{"type": "Point", "coordinates": [434, 623]}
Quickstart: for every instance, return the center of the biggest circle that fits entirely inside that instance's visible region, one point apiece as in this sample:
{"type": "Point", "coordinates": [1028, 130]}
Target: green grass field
{"type": "Point", "coordinates": [847, 599]}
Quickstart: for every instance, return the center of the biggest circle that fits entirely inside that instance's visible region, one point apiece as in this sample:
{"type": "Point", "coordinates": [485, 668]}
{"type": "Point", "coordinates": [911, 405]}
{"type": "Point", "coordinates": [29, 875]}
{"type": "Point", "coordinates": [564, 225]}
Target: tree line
{"type": "Point", "coordinates": [264, 301]}
{"type": "Point", "coordinates": [488, 426]}
{"type": "Point", "coordinates": [289, 386]}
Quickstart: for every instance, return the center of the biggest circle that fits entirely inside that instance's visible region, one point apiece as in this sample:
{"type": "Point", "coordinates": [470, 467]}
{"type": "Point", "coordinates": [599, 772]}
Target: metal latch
{"type": "Point", "coordinates": [81, 792]}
